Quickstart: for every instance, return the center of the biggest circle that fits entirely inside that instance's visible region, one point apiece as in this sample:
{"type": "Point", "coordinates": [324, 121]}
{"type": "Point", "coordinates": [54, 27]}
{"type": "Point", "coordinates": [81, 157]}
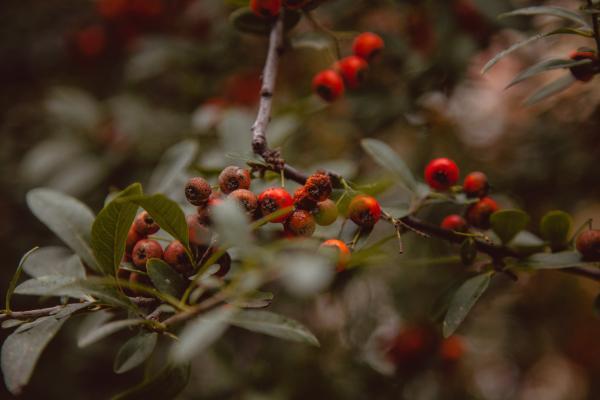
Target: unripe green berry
{"type": "Point", "coordinates": [327, 213]}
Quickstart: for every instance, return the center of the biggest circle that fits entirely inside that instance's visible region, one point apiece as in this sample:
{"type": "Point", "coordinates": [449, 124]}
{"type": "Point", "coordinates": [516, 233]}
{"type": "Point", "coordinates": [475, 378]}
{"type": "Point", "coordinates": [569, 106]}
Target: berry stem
{"type": "Point", "coordinates": [319, 27]}
{"type": "Point", "coordinates": [595, 24]}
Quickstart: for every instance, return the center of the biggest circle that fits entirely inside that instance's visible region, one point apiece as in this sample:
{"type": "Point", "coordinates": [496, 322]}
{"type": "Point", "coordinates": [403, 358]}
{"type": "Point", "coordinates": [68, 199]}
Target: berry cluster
{"type": "Point", "coordinates": [349, 71]}
{"type": "Point", "coordinates": [442, 174]}
{"type": "Point", "coordinates": [299, 214]}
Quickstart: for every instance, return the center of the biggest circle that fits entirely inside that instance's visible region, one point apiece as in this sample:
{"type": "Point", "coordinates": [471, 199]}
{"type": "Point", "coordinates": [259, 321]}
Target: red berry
{"type": "Point", "coordinates": [478, 214]}
{"type": "Point", "coordinates": [145, 225]}
{"type": "Point", "coordinates": [234, 178]}
{"type": "Point", "coordinates": [247, 200]}
{"type": "Point", "coordinates": [294, 4]}
{"type": "Point", "coordinates": [451, 349]}
{"type": "Point", "coordinates": [413, 347]}
{"type": "Point", "coordinates": [588, 244]}
{"type": "Point", "coordinates": [328, 85]}
{"type": "Point", "coordinates": [91, 41]}
{"type": "Point", "coordinates": [326, 213]}
{"type": "Point", "coordinates": [265, 8]}
{"type": "Point", "coordinates": [476, 185]}
{"type": "Point", "coordinates": [112, 9]}
{"type": "Point", "coordinates": [199, 234]}
{"type": "Point", "coordinates": [367, 45]}
{"type": "Point", "coordinates": [300, 223]}
{"type": "Point", "coordinates": [274, 199]}
{"type": "Point", "coordinates": [197, 191]}
{"type": "Point", "coordinates": [318, 186]}
{"type": "Point", "coordinates": [303, 200]}
{"type": "Point", "coordinates": [176, 256]}
{"type": "Point", "coordinates": [441, 173]}
{"type": "Point", "coordinates": [353, 70]}
{"type": "Point", "coordinates": [454, 222]}
{"type": "Point", "coordinates": [132, 238]}
{"type": "Point", "coordinates": [343, 252]}
{"type": "Point", "coordinates": [144, 250]}
{"type": "Point", "coordinates": [364, 211]}
{"type": "Point", "coordinates": [584, 72]}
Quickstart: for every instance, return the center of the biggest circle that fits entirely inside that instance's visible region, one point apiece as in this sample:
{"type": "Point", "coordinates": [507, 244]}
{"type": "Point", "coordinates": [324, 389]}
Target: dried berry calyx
{"type": "Point", "coordinates": [233, 178]}
{"type": "Point", "coordinates": [197, 191]}
{"type": "Point", "coordinates": [318, 186]}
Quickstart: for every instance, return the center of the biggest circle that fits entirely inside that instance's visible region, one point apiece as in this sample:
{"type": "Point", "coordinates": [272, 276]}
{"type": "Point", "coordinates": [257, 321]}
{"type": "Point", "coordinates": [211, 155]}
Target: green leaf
{"type": "Point", "coordinates": [255, 299]}
{"type": "Point", "coordinates": [231, 224]}
{"type": "Point", "coordinates": [52, 285]}
{"type": "Point", "coordinates": [275, 325]}
{"type": "Point", "coordinates": [552, 88]}
{"type": "Point", "coordinates": [555, 227]}
{"type": "Point", "coordinates": [553, 11]}
{"type": "Point", "coordinates": [387, 158]}
{"type": "Point", "coordinates": [22, 349]}
{"type": "Point", "coordinates": [468, 251]}
{"type": "Point", "coordinates": [106, 330]}
{"type": "Point", "coordinates": [563, 259]}
{"type": "Point", "coordinates": [172, 166]}
{"type": "Point", "coordinates": [135, 351]}
{"type": "Point", "coordinates": [544, 66]}
{"type": "Point", "coordinates": [201, 332]}
{"type": "Point", "coordinates": [167, 214]}
{"type": "Point", "coordinates": [13, 282]}
{"type": "Point", "coordinates": [463, 300]}
{"type": "Point", "coordinates": [164, 278]}
{"type": "Point", "coordinates": [528, 41]}
{"type": "Point", "coordinates": [93, 321]}
{"type": "Point", "coordinates": [244, 20]}
{"type": "Point", "coordinates": [526, 243]}
{"type": "Point", "coordinates": [167, 384]}
{"type": "Point", "coordinates": [109, 231]}
{"type": "Point", "coordinates": [54, 261]}
{"type": "Point", "coordinates": [67, 217]}
{"type": "Point", "coordinates": [507, 223]}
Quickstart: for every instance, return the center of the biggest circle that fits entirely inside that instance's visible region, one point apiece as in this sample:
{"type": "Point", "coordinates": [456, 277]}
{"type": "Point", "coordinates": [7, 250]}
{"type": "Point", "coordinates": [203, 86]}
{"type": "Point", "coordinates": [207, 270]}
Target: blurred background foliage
{"type": "Point", "coordinates": [91, 100]}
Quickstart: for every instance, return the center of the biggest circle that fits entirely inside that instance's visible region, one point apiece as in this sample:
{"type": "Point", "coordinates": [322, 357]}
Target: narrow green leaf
{"type": "Point", "coordinates": [463, 300]}
{"type": "Point", "coordinates": [91, 322]}
{"type": "Point", "coordinates": [167, 384]}
{"type": "Point", "coordinates": [109, 231]}
{"type": "Point", "coordinates": [135, 351]}
{"type": "Point", "coordinates": [67, 217]}
{"type": "Point", "coordinates": [563, 259]}
{"type": "Point", "coordinates": [507, 223]}
{"type": "Point", "coordinates": [22, 349]}
{"type": "Point", "coordinates": [387, 158]}
{"type": "Point", "coordinates": [167, 214]}
{"type": "Point", "coordinates": [550, 89]}
{"type": "Point", "coordinates": [275, 325]}
{"type": "Point", "coordinates": [546, 65]}
{"type": "Point", "coordinates": [555, 227]}
{"type": "Point", "coordinates": [13, 282]}
{"type": "Point", "coordinates": [106, 330]}
{"type": "Point", "coordinates": [201, 332]}
{"type": "Point", "coordinates": [526, 243]}
{"type": "Point", "coordinates": [525, 42]}
{"type": "Point", "coordinates": [164, 278]}
{"type": "Point", "coordinates": [53, 286]}
{"type": "Point", "coordinates": [231, 224]}
{"type": "Point", "coordinates": [559, 12]}
{"type": "Point", "coordinates": [256, 299]}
